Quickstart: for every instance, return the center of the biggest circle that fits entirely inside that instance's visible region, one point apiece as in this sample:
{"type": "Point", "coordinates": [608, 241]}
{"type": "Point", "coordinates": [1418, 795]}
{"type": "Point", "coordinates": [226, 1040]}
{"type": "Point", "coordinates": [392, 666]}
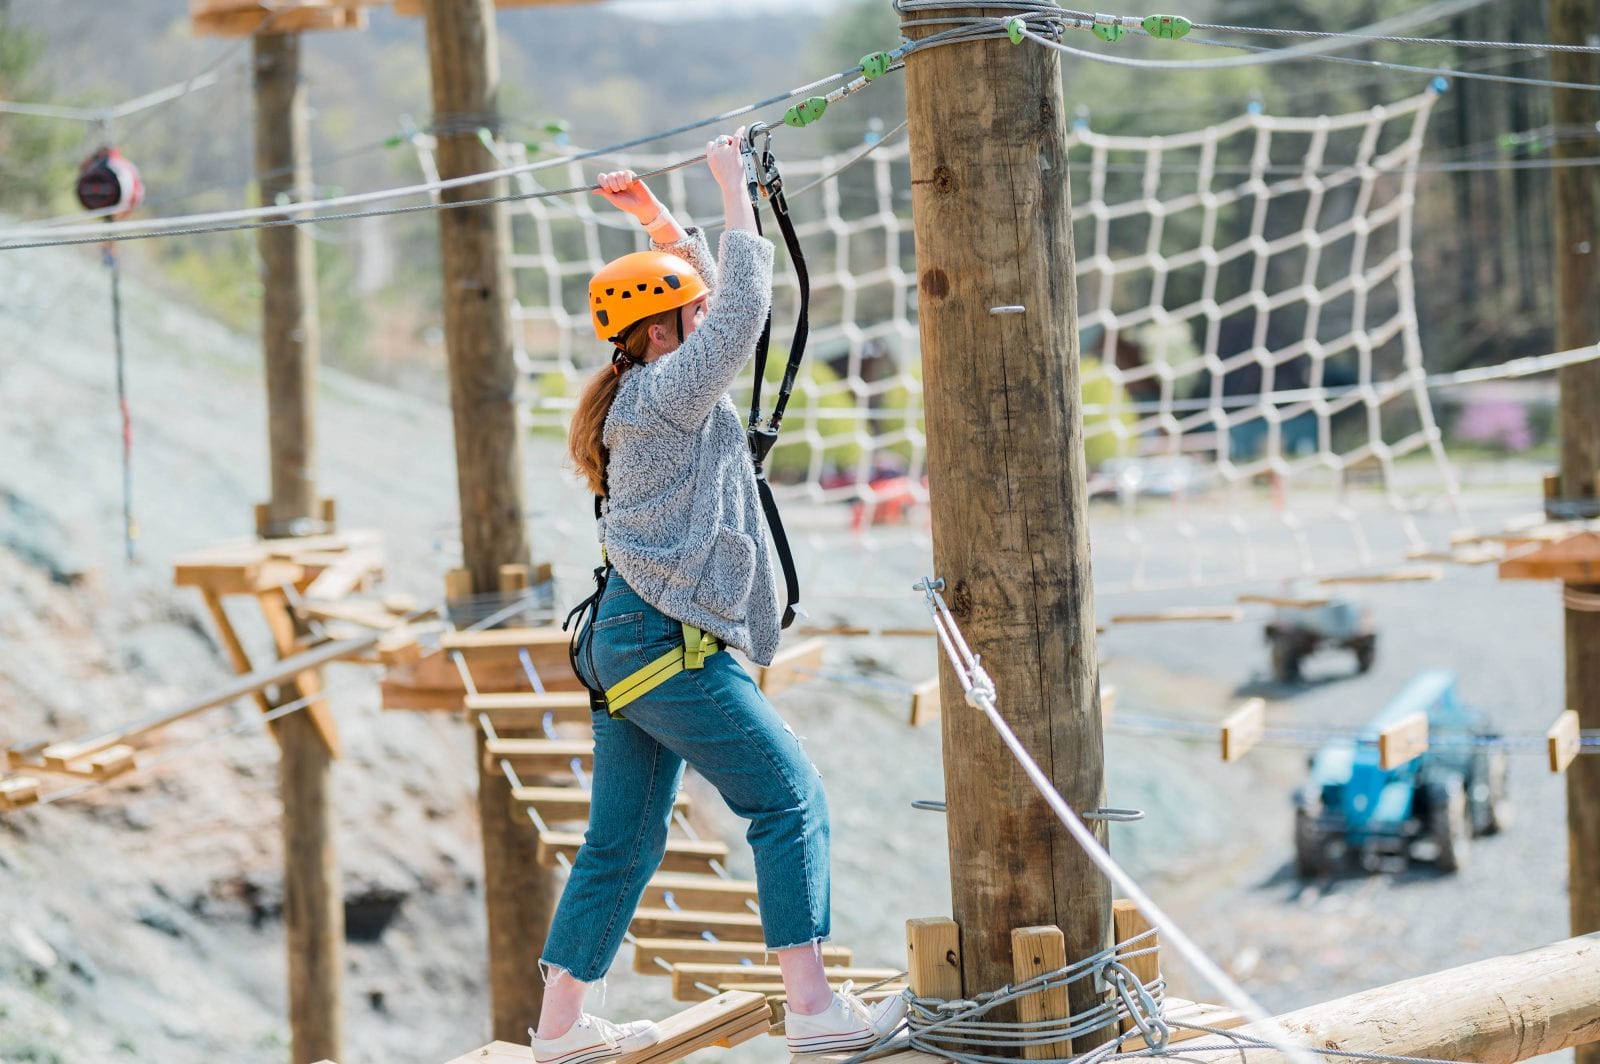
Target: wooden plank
{"type": "Point", "coordinates": [683, 855]}
{"type": "Point", "coordinates": [1575, 560]}
{"type": "Point", "coordinates": [671, 951]}
{"type": "Point", "coordinates": [231, 643]}
{"type": "Point", "coordinates": [1416, 574]}
{"type": "Point", "coordinates": [294, 20]}
{"type": "Point", "coordinates": [504, 639]}
{"type": "Point", "coordinates": [1242, 729]}
{"type": "Point", "coordinates": [1285, 601]}
{"type": "Point", "coordinates": [789, 666]}
{"type": "Point", "coordinates": [691, 923]}
{"type": "Point", "coordinates": [18, 791]}
{"type": "Point", "coordinates": [307, 682]}
{"type": "Point", "coordinates": [1181, 613]}
{"type": "Point", "coordinates": [691, 890]}
{"type": "Point", "coordinates": [738, 976]}
{"type": "Point", "coordinates": [1564, 740]}
{"type": "Point", "coordinates": [1035, 951]}
{"type": "Point", "coordinates": [246, 579]}
{"type": "Point", "coordinates": [399, 695]}
{"type": "Point", "coordinates": [527, 709]}
{"type": "Point", "coordinates": [540, 757]}
{"type": "Point", "coordinates": [925, 702]}
{"type": "Point", "coordinates": [1127, 922]}
{"type": "Point", "coordinates": [933, 957]}
{"type": "Point", "coordinates": [1404, 740]}
{"type": "Point", "coordinates": [1464, 555]}
{"type": "Point", "coordinates": [557, 804]}
{"type": "Point", "coordinates": [723, 1017]}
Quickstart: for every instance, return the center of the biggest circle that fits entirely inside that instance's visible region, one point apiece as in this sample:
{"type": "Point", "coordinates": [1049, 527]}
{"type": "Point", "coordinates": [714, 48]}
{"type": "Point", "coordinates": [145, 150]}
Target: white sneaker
{"type": "Point", "coordinates": [847, 1023]}
{"type": "Point", "coordinates": [593, 1039]}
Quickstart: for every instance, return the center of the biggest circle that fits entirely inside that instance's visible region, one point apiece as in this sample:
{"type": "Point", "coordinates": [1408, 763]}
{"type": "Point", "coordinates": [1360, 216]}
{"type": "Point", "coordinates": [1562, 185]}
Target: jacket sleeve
{"type": "Point", "coordinates": [684, 386]}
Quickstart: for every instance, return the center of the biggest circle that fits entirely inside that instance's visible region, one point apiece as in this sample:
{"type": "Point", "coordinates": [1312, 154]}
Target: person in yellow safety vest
{"type": "Point", "coordinates": [661, 444]}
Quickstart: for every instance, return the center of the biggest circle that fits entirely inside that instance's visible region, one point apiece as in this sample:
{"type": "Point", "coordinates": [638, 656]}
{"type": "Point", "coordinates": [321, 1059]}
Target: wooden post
{"type": "Point", "coordinates": [1035, 951]}
{"type": "Point", "coordinates": [1577, 269]}
{"type": "Point", "coordinates": [998, 310]}
{"type": "Point", "coordinates": [933, 957]}
{"type": "Point", "coordinates": [1129, 922]}
{"type": "Point", "coordinates": [289, 333]}
{"type": "Point", "coordinates": [313, 905]}
{"type": "Point", "coordinates": [475, 245]}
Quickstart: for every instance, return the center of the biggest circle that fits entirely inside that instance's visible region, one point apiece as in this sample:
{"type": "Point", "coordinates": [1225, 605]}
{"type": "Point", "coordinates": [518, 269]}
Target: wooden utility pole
{"type": "Point", "coordinates": [313, 904]}
{"type": "Point", "coordinates": [476, 251]}
{"type": "Point", "coordinates": [998, 310]}
{"type": "Point", "coordinates": [290, 337]}
{"type": "Point", "coordinates": [1576, 116]}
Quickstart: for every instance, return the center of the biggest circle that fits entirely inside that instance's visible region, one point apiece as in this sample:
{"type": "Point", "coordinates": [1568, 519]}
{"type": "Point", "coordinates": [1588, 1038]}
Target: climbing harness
{"type": "Point", "coordinates": [691, 654]}
{"type": "Point", "coordinates": [763, 180]}
{"type": "Point", "coordinates": [109, 183]}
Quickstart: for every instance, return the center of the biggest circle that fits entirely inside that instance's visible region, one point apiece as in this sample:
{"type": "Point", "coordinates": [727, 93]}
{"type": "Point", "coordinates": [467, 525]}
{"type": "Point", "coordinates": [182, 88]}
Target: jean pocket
{"type": "Point", "coordinates": [616, 648]}
{"type": "Point", "coordinates": [724, 586]}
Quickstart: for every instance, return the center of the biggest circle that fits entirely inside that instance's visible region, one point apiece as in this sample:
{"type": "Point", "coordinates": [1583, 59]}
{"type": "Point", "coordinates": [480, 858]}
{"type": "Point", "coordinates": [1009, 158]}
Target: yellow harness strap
{"type": "Point", "coordinates": [697, 646]}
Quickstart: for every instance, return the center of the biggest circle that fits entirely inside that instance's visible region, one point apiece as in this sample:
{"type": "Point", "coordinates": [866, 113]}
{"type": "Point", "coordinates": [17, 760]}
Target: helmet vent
{"type": "Point", "coordinates": [658, 291]}
{"type": "Point", "coordinates": [672, 281]}
{"type": "Point", "coordinates": [642, 286]}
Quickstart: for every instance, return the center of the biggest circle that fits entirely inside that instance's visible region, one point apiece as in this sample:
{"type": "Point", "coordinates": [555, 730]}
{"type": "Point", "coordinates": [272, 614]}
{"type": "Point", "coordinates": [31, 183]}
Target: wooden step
{"type": "Point", "coordinates": [525, 709]}
{"type": "Point", "coordinates": [560, 804]}
{"type": "Point", "coordinates": [726, 1020]}
{"type": "Point", "coordinates": [683, 855]}
{"type": "Point", "coordinates": [698, 951]}
{"type": "Point", "coordinates": [664, 923]}
{"type": "Point", "coordinates": [539, 757]}
{"type": "Point", "coordinates": [689, 980]}
{"type": "Point", "coordinates": [18, 791]}
{"type": "Point", "coordinates": [689, 891]}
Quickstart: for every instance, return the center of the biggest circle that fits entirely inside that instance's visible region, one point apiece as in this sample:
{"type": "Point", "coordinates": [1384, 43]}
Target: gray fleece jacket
{"type": "Point", "coordinates": [682, 521]}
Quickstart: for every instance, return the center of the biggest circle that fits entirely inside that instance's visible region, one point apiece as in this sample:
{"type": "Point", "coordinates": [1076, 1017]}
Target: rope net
{"type": "Point", "coordinates": [1253, 377]}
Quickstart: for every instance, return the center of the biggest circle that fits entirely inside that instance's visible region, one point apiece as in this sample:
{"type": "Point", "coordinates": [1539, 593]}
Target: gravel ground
{"type": "Point", "coordinates": [141, 923]}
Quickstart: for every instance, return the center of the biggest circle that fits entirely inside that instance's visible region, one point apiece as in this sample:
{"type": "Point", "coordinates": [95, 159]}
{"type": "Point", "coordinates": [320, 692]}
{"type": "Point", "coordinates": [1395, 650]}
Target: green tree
{"type": "Point", "coordinates": [37, 152]}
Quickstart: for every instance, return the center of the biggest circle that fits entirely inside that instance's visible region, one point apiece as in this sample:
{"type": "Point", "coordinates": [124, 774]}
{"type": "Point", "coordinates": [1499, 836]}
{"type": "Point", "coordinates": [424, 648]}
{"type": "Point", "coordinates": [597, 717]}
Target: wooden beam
{"type": "Point", "coordinates": [647, 951]}
{"type": "Point", "coordinates": [789, 666]}
{"type": "Point", "coordinates": [667, 923]}
{"type": "Point", "coordinates": [1034, 952]}
{"type": "Point", "coordinates": [1242, 729]}
{"type": "Point", "coordinates": [925, 702]}
{"type": "Point", "coordinates": [1564, 741]}
{"type": "Point", "coordinates": [245, 578]}
{"type": "Point", "coordinates": [1181, 613]}
{"type": "Point", "coordinates": [737, 976]}
{"type": "Point", "coordinates": [231, 643]}
{"type": "Point", "coordinates": [306, 683]}
{"type": "Point", "coordinates": [560, 804]}
{"type": "Point", "coordinates": [1574, 560]}
{"type": "Point", "coordinates": [246, 20]}
{"type": "Point", "coordinates": [1404, 740]}
{"type": "Point", "coordinates": [539, 757]}
{"type": "Point", "coordinates": [691, 890]}
{"type": "Point", "coordinates": [313, 902]}
{"type": "Point", "coordinates": [1287, 601]}
{"type": "Point", "coordinates": [1416, 574]}
{"type": "Point", "coordinates": [933, 957]}
{"type": "Point", "coordinates": [526, 709]}
{"type": "Point", "coordinates": [1494, 1011]}
{"type": "Point", "coordinates": [683, 855]}
{"type": "Point", "coordinates": [18, 791]}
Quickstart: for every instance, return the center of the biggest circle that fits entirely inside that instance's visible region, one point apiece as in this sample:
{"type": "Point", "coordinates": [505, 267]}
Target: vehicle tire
{"type": "Point", "coordinates": [1285, 660]}
{"type": "Point", "coordinates": [1366, 651]}
{"type": "Point", "coordinates": [1499, 811]}
{"type": "Point", "coordinates": [1449, 826]}
{"type": "Point", "coordinates": [1310, 855]}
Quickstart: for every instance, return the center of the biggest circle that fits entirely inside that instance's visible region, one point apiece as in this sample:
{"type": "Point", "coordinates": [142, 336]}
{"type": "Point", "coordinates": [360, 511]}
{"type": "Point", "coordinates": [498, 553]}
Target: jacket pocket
{"type": "Point", "coordinates": [724, 586]}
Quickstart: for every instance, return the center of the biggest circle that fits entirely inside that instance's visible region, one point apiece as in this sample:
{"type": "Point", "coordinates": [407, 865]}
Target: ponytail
{"type": "Point", "coordinates": [586, 437]}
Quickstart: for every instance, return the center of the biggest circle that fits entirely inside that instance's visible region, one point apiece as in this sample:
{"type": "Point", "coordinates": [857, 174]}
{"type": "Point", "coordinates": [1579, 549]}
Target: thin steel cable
{"type": "Point", "coordinates": [1447, 42]}
{"type": "Point", "coordinates": [194, 224]}
{"type": "Point", "coordinates": [980, 694]}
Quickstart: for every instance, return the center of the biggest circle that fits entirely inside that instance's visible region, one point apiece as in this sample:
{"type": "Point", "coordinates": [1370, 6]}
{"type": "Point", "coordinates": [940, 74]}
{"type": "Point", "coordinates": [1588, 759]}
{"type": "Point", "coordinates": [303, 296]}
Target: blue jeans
{"type": "Point", "coordinates": [718, 721]}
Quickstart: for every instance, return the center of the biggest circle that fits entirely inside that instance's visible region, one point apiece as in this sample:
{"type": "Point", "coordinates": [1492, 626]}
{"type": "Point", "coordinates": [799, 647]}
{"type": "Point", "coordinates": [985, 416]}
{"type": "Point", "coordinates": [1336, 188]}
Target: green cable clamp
{"type": "Point", "coordinates": [876, 65]}
{"type": "Point", "coordinates": [395, 141]}
{"type": "Point", "coordinates": [1109, 31]}
{"type": "Point", "coordinates": [1167, 27]}
{"type": "Point", "coordinates": [803, 114]}
{"type": "Point", "coordinates": [1014, 26]}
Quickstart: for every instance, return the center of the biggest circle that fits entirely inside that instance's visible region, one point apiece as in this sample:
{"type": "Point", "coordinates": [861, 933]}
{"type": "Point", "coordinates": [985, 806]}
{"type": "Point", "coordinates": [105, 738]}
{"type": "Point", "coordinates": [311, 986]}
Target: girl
{"type": "Point", "coordinates": [660, 442]}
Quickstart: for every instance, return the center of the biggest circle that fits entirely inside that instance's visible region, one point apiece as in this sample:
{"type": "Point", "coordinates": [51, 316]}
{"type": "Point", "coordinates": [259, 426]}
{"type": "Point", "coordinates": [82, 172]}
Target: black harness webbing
{"type": "Point", "coordinates": [763, 179]}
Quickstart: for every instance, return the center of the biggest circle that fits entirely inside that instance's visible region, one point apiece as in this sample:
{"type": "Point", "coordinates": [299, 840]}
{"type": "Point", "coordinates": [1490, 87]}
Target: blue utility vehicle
{"type": "Point", "coordinates": [1429, 807]}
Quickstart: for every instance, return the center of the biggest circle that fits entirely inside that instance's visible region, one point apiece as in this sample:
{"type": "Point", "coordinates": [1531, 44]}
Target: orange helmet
{"type": "Point", "coordinates": [636, 286]}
